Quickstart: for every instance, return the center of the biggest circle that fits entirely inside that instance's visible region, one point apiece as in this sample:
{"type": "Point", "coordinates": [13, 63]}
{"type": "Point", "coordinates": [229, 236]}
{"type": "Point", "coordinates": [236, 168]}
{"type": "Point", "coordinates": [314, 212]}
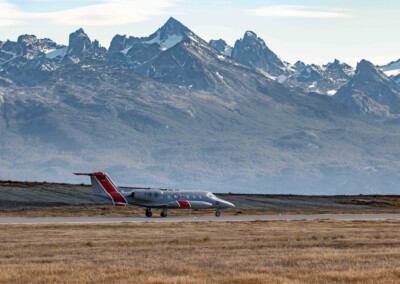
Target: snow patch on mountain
{"type": "Point", "coordinates": [228, 51]}
{"type": "Point", "coordinates": [126, 50]}
{"type": "Point", "coordinates": [54, 53]}
{"type": "Point", "coordinates": [281, 78]}
{"type": "Point", "coordinates": [167, 43]}
{"type": "Point", "coordinates": [391, 69]}
{"type": "Point", "coordinates": [222, 47]}
{"type": "Point", "coordinates": [219, 76]}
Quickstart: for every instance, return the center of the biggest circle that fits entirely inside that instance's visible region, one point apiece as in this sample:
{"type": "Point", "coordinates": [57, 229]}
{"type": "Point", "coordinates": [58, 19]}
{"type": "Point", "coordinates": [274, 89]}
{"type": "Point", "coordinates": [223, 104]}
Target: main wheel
{"type": "Point", "coordinates": [149, 213]}
{"type": "Point", "coordinates": [217, 213]}
{"type": "Point", "coordinates": [163, 214]}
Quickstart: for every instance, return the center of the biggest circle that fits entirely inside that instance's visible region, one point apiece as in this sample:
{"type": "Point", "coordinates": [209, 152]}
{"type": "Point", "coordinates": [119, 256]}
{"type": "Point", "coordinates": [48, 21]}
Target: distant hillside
{"type": "Point", "coordinates": [171, 110]}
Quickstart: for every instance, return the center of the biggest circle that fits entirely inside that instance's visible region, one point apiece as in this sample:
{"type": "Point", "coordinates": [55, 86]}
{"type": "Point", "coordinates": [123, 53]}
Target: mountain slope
{"type": "Point", "coordinates": [253, 52]}
{"type": "Point", "coordinates": [221, 46]}
{"type": "Point", "coordinates": [391, 69]}
{"type": "Point", "coordinates": [323, 80]}
{"type": "Point", "coordinates": [370, 91]}
{"type": "Point", "coordinates": [183, 115]}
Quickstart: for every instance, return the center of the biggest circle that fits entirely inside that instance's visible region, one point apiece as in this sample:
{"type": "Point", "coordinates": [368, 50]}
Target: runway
{"type": "Point", "coordinates": [177, 219]}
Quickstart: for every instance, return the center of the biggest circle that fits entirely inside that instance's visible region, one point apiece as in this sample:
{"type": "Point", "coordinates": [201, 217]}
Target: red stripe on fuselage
{"type": "Point", "coordinates": [118, 198]}
{"type": "Point", "coordinates": [184, 204]}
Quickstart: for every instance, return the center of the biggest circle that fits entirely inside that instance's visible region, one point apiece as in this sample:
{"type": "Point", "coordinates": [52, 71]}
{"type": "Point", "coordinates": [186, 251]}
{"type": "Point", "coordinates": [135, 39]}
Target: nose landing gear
{"type": "Point", "coordinates": [217, 213]}
{"type": "Point", "coordinates": [164, 213]}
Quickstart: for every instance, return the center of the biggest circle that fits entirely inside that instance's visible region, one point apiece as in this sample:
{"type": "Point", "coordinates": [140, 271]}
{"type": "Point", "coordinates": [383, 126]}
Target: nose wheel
{"type": "Point", "coordinates": [164, 213]}
{"type": "Point", "coordinates": [217, 213]}
{"type": "Point", "coordinates": [148, 212]}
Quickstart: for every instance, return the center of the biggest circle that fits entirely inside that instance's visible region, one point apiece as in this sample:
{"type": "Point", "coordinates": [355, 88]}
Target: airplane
{"type": "Point", "coordinates": [106, 190]}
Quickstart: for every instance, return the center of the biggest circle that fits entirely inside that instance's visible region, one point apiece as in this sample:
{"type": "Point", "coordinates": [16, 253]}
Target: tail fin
{"type": "Point", "coordinates": [104, 188]}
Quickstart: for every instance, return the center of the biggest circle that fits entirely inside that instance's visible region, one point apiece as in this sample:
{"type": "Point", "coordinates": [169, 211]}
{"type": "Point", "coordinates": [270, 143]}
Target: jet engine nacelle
{"type": "Point", "coordinates": [148, 195]}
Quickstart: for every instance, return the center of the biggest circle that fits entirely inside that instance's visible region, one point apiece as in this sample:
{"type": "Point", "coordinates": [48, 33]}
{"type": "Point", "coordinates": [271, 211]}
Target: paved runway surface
{"type": "Point", "coordinates": [240, 218]}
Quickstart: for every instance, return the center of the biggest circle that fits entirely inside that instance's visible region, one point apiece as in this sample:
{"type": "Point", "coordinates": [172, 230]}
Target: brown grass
{"type": "Point", "coordinates": [108, 210]}
{"type": "Point", "coordinates": [243, 252]}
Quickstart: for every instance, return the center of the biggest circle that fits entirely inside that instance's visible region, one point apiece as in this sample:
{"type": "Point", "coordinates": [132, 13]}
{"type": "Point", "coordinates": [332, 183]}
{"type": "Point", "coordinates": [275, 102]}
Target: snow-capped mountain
{"type": "Point", "coordinates": [141, 49]}
{"type": "Point", "coordinates": [338, 71]}
{"type": "Point", "coordinates": [27, 47]}
{"type": "Point", "coordinates": [323, 80]}
{"type": "Point", "coordinates": [370, 91]}
{"type": "Point", "coordinates": [173, 110]}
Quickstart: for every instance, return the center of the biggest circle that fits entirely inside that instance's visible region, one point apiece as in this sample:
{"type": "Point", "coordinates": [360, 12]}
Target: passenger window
{"type": "Point", "coordinates": [176, 196]}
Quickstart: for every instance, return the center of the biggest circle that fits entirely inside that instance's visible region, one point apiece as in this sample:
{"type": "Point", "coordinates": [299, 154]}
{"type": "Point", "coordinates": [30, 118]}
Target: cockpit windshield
{"type": "Point", "coordinates": [210, 195]}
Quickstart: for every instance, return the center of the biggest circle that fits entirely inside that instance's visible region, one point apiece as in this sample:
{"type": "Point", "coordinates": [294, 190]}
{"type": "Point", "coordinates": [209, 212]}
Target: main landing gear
{"type": "Point", "coordinates": [217, 213]}
{"type": "Point", "coordinates": [148, 212]}
{"type": "Point", "coordinates": [164, 213]}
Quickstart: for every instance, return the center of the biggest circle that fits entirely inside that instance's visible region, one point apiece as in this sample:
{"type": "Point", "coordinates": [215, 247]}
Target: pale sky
{"type": "Point", "coordinates": [309, 30]}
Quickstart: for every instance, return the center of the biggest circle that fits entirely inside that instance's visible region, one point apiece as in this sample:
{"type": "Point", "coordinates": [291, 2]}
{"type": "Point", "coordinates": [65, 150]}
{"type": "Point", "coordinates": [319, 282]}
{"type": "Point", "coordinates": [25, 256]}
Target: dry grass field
{"type": "Point", "coordinates": [243, 252]}
{"type": "Point", "coordinates": [108, 210]}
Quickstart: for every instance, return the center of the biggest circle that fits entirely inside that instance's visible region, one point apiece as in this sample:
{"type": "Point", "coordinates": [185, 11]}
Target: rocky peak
{"type": "Point", "coordinates": [221, 46]}
{"type": "Point", "coordinates": [172, 27]}
{"type": "Point", "coordinates": [80, 46]}
{"type": "Point", "coordinates": [79, 43]}
{"type": "Point", "coordinates": [299, 65]}
{"type": "Point", "coordinates": [28, 47]}
{"type": "Point", "coordinates": [253, 35]}
{"type": "Point", "coordinates": [117, 44]}
{"type": "Point", "coordinates": [170, 34]}
{"type": "Point", "coordinates": [9, 46]}
{"type": "Point", "coordinates": [310, 73]}
{"type": "Point", "coordinates": [338, 70]}
{"type": "Point", "coordinates": [366, 72]}
{"type": "Point", "coordinates": [336, 64]}
{"type": "Point", "coordinates": [253, 52]}
{"type": "Point", "coordinates": [26, 40]}
{"type": "Point", "coordinates": [370, 91]}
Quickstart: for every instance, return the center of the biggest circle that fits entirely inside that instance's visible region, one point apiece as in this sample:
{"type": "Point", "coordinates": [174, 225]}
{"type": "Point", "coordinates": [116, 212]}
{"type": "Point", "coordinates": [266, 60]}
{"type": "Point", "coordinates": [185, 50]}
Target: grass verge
{"type": "Point", "coordinates": [240, 252]}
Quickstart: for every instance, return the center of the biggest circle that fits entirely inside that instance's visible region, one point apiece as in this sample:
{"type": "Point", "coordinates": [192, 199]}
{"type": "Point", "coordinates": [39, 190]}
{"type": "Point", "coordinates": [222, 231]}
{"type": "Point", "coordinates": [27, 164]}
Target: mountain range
{"type": "Point", "coordinates": [173, 110]}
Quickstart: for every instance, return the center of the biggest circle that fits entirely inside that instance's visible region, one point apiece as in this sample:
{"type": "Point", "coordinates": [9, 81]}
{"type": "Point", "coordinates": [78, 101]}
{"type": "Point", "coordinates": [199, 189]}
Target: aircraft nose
{"type": "Point", "coordinates": [228, 204]}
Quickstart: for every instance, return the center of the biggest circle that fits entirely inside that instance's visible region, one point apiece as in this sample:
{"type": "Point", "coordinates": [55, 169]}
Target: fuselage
{"type": "Point", "coordinates": [168, 198]}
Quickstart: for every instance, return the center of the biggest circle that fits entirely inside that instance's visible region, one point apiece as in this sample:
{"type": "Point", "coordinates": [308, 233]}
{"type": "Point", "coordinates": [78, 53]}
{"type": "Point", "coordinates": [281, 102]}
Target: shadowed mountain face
{"type": "Point", "coordinates": [172, 110]}
{"type": "Point", "coordinates": [253, 52]}
{"type": "Point", "coordinates": [370, 91]}
{"type": "Point", "coordinates": [221, 46]}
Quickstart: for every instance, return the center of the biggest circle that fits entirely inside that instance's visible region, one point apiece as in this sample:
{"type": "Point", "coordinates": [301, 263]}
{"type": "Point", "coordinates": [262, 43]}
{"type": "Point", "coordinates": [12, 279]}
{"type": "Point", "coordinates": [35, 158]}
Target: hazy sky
{"type": "Point", "coordinates": [309, 30]}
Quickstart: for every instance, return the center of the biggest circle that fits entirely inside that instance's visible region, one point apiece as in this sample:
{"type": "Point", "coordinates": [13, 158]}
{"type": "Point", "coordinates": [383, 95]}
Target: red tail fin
{"type": "Point", "coordinates": [103, 186]}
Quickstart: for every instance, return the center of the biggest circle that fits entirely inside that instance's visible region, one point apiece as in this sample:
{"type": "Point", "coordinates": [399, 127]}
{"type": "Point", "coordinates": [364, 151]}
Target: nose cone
{"type": "Point", "coordinates": [228, 204]}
